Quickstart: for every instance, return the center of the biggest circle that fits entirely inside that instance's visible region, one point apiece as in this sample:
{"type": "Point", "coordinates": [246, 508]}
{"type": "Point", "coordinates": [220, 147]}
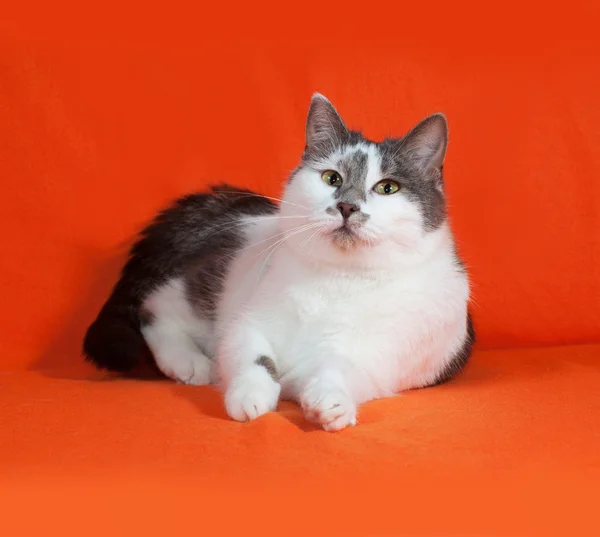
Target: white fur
{"type": "Point", "coordinates": [342, 326]}
{"type": "Point", "coordinates": [176, 335]}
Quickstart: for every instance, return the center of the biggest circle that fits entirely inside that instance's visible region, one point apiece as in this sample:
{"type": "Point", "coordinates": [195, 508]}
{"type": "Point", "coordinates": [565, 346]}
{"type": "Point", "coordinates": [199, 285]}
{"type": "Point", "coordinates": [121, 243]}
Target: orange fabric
{"type": "Point", "coordinates": [108, 112]}
{"type": "Point", "coordinates": [510, 448]}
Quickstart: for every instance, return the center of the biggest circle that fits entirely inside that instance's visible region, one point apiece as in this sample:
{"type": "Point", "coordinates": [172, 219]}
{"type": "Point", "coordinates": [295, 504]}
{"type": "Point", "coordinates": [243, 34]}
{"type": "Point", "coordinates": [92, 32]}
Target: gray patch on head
{"type": "Point", "coordinates": [269, 365]}
{"type": "Point", "coordinates": [343, 141]}
{"type": "Point", "coordinates": [421, 186]}
{"type": "Point", "coordinates": [353, 166]}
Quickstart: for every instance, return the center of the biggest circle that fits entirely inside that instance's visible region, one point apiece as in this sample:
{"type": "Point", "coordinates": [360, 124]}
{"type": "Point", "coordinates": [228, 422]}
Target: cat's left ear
{"type": "Point", "coordinates": [426, 143]}
{"type": "Point", "coordinates": [325, 129]}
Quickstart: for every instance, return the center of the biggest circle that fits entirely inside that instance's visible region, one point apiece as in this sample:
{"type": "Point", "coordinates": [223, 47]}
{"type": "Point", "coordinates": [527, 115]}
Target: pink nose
{"type": "Point", "coordinates": [347, 209]}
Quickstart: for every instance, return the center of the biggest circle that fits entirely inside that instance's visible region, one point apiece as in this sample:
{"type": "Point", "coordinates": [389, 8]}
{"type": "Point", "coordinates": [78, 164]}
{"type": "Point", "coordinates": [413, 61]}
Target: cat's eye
{"type": "Point", "coordinates": [332, 178]}
{"type": "Point", "coordinates": [386, 188]}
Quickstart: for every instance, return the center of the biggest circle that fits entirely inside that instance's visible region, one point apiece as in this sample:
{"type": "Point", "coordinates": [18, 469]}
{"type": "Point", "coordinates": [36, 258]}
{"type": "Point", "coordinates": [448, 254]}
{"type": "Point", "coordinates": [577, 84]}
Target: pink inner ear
{"type": "Point", "coordinates": [427, 141]}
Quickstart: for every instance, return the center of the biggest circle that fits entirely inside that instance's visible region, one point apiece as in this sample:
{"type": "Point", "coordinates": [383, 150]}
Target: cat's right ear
{"type": "Point", "coordinates": [325, 129]}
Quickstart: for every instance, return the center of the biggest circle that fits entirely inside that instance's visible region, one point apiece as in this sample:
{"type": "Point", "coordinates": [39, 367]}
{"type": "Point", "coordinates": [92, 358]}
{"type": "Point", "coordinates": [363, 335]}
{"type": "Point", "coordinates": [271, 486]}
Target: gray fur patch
{"type": "Point", "coordinates": [354, 167]}
{"type": "Point", "coordinates": [217, 236]}
{"type": "Point", "coordinates": [422, 187]}
{"type": "Point", "coordinates": [269, 365]}
{"type": "Point", "coordinates": [314, 154]}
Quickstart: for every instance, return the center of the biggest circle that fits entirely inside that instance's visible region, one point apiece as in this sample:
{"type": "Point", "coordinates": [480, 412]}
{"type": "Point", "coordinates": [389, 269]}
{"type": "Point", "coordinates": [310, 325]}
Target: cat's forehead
{"type": "Point", "coordinates": [387, 155]}
{"type": "Point", "coordinates": [356, 159]}
{"type": "Point", "coordinates": [353, 163]}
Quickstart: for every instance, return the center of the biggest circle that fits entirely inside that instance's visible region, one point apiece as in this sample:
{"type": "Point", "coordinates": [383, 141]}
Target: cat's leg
{"type": "Point", "coordinates": [327, 400]}
{"type": "Point", "coordinates": [173, 332]}
{"type": "Point", "coordinates": [325, 394]}
{"type": "Point", "coordinates": [248, 371]}
{"type": "Point", "coordinates": [176, 354]}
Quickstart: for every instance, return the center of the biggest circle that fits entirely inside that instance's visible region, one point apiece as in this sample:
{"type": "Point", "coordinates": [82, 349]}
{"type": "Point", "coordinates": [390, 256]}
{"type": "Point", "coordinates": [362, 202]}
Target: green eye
{"type": "Point", "coordinates": [332, 178]}
{"type": "Point", "coordinates": [386, 188]}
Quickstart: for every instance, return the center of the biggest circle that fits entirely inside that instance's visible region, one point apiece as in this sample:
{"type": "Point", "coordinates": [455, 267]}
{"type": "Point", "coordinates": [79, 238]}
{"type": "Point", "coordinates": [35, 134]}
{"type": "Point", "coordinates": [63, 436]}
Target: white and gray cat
{"type": "Point", "coordinates": [348, 290]}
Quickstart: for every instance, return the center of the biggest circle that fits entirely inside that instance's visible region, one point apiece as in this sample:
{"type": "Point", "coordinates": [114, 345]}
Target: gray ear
{"type": "Point", "coordinates": [325, 129]}
{"type": "Point", "coordinates": [426, 143]}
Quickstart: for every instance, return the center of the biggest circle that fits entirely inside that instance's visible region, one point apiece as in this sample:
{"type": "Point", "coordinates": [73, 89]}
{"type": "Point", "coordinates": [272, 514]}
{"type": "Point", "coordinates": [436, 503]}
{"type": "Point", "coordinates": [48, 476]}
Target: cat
{"type": "Point", "coordinates": [348, 290]}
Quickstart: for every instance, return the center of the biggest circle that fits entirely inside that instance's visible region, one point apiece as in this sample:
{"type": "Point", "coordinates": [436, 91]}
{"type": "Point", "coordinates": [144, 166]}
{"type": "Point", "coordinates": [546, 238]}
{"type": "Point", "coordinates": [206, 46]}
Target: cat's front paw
{"type": "Point", "coordinates": [248, 398]}
{"type": "Point", "coordinates": [331, 407]}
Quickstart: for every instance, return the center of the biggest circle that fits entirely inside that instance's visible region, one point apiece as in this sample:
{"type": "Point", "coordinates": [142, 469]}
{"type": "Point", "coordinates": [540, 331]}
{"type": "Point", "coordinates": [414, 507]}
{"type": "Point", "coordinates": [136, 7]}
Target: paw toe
{"type": "Point", "coordinates": [245, 402]}
{"type": "Point", "coordinates": [333, 410]}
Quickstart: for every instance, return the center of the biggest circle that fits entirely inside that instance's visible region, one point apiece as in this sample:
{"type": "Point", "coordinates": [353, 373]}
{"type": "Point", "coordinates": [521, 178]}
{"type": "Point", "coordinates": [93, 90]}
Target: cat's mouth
{"type": "Point", "coordinates": [344, 237]}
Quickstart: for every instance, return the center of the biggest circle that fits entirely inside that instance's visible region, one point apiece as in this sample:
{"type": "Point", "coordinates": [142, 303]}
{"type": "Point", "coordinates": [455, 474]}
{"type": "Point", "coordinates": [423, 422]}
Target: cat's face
{"type": "Point", "coordinates": [351, 200]}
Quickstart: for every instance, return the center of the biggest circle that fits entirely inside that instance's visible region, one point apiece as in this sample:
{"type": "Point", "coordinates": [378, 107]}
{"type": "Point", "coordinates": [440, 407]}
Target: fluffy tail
{"type": "Point", "coordinates": [114, 341]}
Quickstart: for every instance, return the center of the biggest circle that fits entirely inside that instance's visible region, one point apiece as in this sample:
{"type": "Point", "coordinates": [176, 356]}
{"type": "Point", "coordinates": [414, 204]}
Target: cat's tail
{"type": "Point", "coordinates": [114, 341]}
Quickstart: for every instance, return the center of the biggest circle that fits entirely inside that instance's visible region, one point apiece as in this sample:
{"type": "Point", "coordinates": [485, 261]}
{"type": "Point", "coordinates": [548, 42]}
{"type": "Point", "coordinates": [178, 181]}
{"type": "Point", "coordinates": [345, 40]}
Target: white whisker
{"type": "Point", "coordinates": [257, 195]}
{"type": "Point", "coordinates": [289, 232]}
{"type": "Point", "coordinates": [227, 226]}
{"type": "Point", "coordinates": [279, 243]}
{"type": "Point", "coordinates": [270, 237]}
{"type": "Point", "coordinates": [307, 240]}
{"type": "Point", "coordinates": [256, 257]}
{"type": "Point", "coordinates": [320, 232]}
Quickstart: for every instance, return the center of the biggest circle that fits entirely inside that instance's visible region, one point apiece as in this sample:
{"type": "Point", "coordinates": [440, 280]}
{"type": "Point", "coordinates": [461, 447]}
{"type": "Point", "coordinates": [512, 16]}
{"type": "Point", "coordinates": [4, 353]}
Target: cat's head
{"type": "Point", "coordinates": [351, 199]}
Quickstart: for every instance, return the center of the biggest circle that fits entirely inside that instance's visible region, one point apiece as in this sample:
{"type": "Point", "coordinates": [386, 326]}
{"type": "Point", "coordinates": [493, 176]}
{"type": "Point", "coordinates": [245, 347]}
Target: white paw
{"type": "Point", "coordinates": [186, 367]}
{"type": "Point", "coordinates": [250, 396]}
{"type": "Point", "coordinates": [328, 406]}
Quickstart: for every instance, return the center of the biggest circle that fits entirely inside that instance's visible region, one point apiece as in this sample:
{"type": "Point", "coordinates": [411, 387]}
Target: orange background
{"type": "Point", "coordinates": [108, 112]}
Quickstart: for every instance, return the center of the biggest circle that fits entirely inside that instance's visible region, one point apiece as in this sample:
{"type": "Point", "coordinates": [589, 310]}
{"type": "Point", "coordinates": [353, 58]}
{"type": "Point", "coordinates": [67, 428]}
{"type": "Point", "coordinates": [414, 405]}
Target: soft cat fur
{"type": "Point", "coordinates": [341, 294]}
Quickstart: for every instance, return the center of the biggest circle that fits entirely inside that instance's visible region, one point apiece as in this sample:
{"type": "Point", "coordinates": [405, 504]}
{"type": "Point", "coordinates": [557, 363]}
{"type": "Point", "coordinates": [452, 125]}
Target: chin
{"type": "Point", "coordinates": [347, 239]}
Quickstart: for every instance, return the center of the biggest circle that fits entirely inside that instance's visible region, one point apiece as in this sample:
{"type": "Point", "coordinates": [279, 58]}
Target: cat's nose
{"type": "Point", "coordinates": [347, 209]}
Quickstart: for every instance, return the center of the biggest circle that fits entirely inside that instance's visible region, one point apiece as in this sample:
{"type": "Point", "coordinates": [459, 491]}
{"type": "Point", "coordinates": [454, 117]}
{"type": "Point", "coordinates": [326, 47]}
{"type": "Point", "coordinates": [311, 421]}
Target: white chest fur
{"type": "Point", "coordinates": [386, 325]}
